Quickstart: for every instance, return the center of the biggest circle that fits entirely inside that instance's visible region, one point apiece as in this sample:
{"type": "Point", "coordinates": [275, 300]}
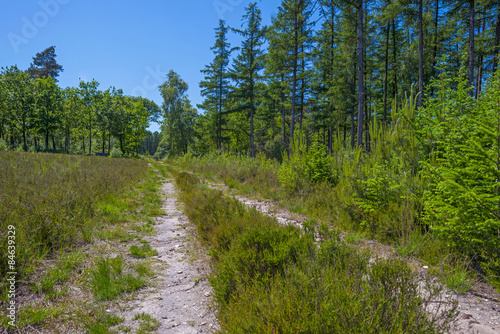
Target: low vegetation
{"type": "Point", "coordinates": [76, 220]}
{"type": "Point", "coordinates": [269, 278]}
{"type": "Point", "coordinates": [427, 185]}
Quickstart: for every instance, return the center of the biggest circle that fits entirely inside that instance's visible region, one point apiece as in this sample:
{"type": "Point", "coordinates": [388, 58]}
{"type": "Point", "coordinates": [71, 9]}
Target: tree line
{"type": "Point", "coordinates": [330, 66]}
{"type": "Point", "coordinates": [37, 115]}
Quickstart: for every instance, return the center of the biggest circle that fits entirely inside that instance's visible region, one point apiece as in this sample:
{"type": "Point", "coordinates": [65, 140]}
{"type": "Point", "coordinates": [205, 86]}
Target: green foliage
{"type": "Point", "coordinates": [108, 279]}
{"type": "Point", "coordinates": [179, 115]}
{"type": "Point", "coordinates": [462, 204]}
{"type": "Point", "coordinates": [104, 321]}
{"type": "Point", "coordinates": [52, 200]}
{"type": "Point", "coordinates": [144, 251]}
{"type": "Point", "coordinates": [147, 322]}
{"type": "Point", "coordinates": [306, 165]}
{"type": "Point", "coordinates": [115, 153]}
{"type": "Point", "coordinates": [272, 278]}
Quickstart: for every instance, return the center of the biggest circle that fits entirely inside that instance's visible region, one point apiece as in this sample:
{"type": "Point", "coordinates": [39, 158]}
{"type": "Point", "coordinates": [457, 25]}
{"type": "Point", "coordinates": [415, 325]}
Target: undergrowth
{"type": "Point", "coordinates": [269, 278]}
{"type": "Point", "coordinates": [65, 282]}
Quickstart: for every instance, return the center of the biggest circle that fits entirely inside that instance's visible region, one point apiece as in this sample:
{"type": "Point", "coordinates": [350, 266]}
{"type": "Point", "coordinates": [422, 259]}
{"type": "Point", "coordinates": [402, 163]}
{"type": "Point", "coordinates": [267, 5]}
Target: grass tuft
{"type": "Point", "coordinates": [108, 280]}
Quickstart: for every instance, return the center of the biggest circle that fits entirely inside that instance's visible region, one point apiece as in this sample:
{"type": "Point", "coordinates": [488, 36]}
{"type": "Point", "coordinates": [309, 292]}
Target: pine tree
{"type": "Point", "coordinates": [45, 65]}
{"type": "Point", "coordinates": [248, 65]}
{"type": "Point", "coordinates": [216, 84]}
{"type": "Point", "coordinates": [289, 34]}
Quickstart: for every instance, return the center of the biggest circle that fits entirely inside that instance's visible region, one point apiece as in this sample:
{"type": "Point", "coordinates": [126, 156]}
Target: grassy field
{"type": "Point", "coordinates": [269, 278]}
{"type": "Point", "coordinates": [78, 224]}
{"type": "Point", "coordinates": [339, 206]}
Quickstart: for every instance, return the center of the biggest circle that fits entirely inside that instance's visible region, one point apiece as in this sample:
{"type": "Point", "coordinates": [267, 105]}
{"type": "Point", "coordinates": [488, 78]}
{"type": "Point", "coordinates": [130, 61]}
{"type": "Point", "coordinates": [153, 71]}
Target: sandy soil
{"type": "Point", "coordinates": [181, 301]}
{"type": "Point", "coordinates": [479, 309]}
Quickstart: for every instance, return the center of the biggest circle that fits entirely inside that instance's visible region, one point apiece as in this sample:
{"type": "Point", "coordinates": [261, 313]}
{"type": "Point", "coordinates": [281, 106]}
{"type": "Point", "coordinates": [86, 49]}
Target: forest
{"type": "Point", "coordinates": [36, 115]}
{"type": "Point", "coordinates": [382, 116]}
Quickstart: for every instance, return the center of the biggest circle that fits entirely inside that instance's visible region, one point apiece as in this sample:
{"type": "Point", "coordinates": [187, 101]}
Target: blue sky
{"type": "Point", "coordinates": [127, 44]}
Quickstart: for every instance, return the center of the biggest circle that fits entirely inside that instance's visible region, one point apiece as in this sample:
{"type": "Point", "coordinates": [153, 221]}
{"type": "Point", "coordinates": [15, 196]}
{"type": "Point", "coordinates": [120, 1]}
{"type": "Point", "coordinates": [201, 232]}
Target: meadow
{"type": "Point", "coordinates": [269, 278]}
{"type": "Point", "coordinates": [51, 199]}
{"type": "Point", "coordinates": [79, 224]}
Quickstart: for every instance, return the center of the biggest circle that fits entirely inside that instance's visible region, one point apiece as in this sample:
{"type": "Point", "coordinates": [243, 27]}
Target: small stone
{"type": "Point", "coordinates": [179, 272]}
{"type": "Point", "coordinates": [109, 311]}
{"type": "Point", "coordinates": [425, 267]}
{"type": "Point", "coordinates": [207, 294]}
{"type": "Point", "coordinates": [203, 323]}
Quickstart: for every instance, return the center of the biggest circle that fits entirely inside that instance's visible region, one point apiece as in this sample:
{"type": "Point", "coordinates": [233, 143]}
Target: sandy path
{"type": "Point", "coordinates": [181, 299]}
{"type": "Point", "coordinates": [479, 309]}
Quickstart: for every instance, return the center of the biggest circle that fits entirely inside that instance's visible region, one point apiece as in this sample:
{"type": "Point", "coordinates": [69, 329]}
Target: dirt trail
{"type": "Point", "coordinates": [181, 299]}
{"type": "Point", "coordinates": [479, 309]}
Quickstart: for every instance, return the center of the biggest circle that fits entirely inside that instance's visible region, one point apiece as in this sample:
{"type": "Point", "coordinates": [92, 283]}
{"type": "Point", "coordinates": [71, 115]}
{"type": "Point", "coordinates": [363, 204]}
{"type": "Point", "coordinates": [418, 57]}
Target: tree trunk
{"type": "Point", "coordinates": [353, 143]}
{"type": "Point", "coordinates": [294, 83]}
{"type": "Point", "coordinates": [330, 139]}
{"type": "Point", "coordinates": [25, 147]}
{"type": "Point", "coordinates": [302, 90]}
{"type": "Point", "coordinates": [434, 51]}
{"type": "Point", "coordinates": [46, 140]}
{"type": "Point", "coordinates": [361, 93]}
{"type": "Point", "coordinates": [420, 55]}
{"type": "Point", "coordinates": [480, 65]}
{"type": "Point", "coordinates": [394, 67]}
{"type": "Point", "coordinates": [90, 133]}
{"type": "Point", "coordinates": [470, 83]}
{"type": "Point", "coordinates": [283, 116]}
{"type": "Point", "coordinates": [252, 153]}
{"type": "Point", "coordinates": [386, 72]}
{"type": "Point", "coordinates": [497, 42]}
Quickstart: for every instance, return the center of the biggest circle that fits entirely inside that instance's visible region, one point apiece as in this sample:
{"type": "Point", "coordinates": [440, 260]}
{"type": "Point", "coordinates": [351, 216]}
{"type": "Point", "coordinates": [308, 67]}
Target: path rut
{"type": "Point", "coordinates": [181, 301]}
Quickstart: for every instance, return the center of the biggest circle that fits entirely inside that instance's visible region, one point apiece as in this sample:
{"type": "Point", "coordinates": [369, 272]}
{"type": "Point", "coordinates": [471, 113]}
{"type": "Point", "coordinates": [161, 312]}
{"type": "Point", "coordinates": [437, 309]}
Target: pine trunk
{"type": "Point", "coordinates": [434, 51]}
{"type": "Point", "coordinates": [420, 54]}
{"type": "Point", "coordinates": [294, 83]}
{"type": "Point", "coordinates": [386, 72]}
{"type": "Point", "coordinates": [470, 83]}
{"type": "Point", "coordinates": [497, 42]}
{"type": "Point", "coordinates": [360, 75]}
{"type": "Point", "coordinates": [283, 116]}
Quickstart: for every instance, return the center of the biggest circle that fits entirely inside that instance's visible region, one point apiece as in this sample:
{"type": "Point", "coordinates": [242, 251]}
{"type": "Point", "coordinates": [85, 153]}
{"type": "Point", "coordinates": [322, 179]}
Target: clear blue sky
{"type": "Point", "coordinates": [127, 44]}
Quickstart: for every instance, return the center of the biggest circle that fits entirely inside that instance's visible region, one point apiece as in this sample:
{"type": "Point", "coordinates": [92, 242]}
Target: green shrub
{"type": "Point", "coordinates": [116, 153]}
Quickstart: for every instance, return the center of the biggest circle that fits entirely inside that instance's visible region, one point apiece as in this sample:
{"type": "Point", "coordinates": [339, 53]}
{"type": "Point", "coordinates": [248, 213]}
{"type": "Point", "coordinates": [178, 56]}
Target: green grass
{"type": "Point", "coordinates": [369, 199]}
{"type": "Point", "coordinates": [147, 322]}
{"type": "Point", "coordinates": [108, 279]}
{"type": "Point", "coordinates": [144, 251]}
{"type": "Point", "coordinates": [100, 322]}
{"type": "Point", "coordinates": [34, 314]}
{"type": "Point", "coordinates": [60, 273]}
{"type": "Point", "coordinates": [269, 278]}
{"type": "Point", "coordinates": [75, 201]}
{"type": "Point", "coordinates": [412, 245]}
{"type": "Point", "coordinates": [51, 200]}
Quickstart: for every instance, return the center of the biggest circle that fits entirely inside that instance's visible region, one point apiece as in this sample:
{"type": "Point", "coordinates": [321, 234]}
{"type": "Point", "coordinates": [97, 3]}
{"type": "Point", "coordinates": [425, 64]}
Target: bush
{"type": "Point", "coordinates": [115, 153]}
